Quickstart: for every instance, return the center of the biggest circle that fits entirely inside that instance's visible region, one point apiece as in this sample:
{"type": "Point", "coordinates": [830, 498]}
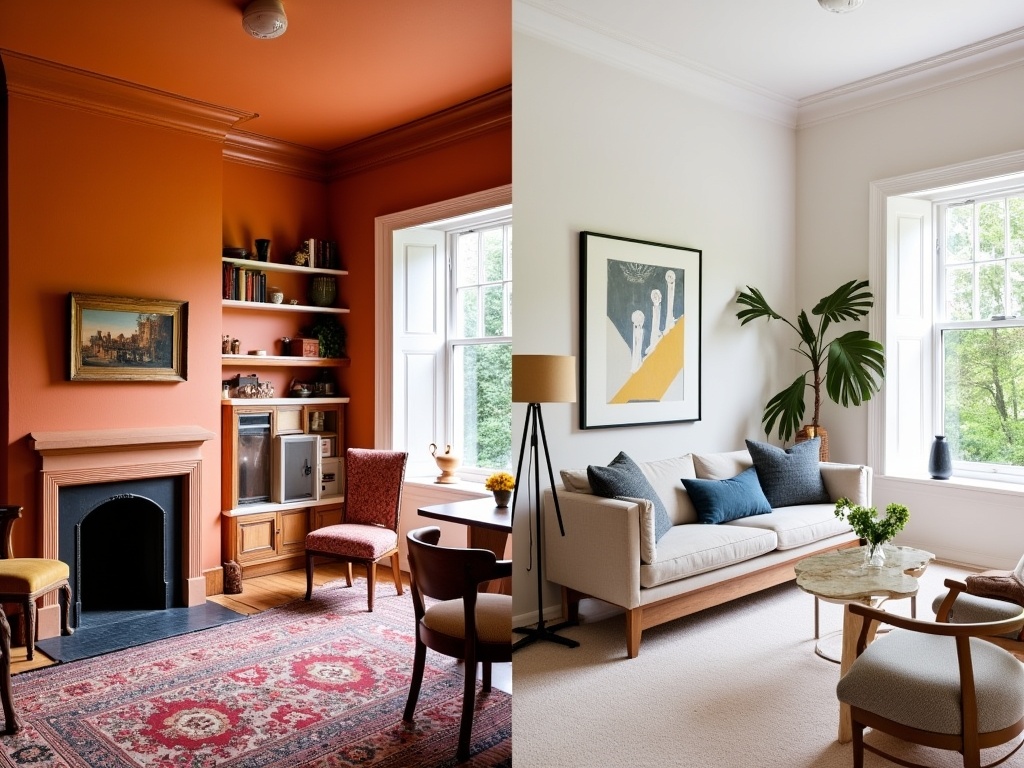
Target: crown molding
{"type": "Point", "coordinates": [463, 121]}
{"type": "Point", "coordinates": [971, 62]}
{"type": "Point", "coordinates": [45, 81]}
{"type": "Point", "coordinates": [275, 155]}
{"type": "Point", "coordinates": [580, 35]}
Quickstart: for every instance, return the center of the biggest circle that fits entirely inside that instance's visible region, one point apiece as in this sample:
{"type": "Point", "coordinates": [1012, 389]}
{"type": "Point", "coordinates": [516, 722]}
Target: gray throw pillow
{"type": "Point", "coordinates": [624, 478]}
{"type": "Point", "coordinates": [789, 477]}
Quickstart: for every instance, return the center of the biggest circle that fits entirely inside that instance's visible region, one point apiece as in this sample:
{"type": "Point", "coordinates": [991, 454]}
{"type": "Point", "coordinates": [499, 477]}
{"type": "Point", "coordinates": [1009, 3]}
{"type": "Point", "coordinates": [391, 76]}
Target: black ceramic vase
{"type": "Point", "coordinates": [940, 465]}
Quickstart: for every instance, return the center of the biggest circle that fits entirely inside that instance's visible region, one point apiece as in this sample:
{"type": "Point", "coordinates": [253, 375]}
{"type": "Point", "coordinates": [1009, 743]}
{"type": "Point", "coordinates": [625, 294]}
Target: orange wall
{"type": "Point", "coordinates": [106, 206]}
{"type": "Point", "coordinates": [474, 165]}
{"type": "Point", "coordinates": [286, 209]}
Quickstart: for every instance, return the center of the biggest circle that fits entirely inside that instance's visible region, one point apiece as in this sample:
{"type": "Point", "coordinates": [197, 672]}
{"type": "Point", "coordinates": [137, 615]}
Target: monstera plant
{"type": "Point", "coordinates": [851, 366]}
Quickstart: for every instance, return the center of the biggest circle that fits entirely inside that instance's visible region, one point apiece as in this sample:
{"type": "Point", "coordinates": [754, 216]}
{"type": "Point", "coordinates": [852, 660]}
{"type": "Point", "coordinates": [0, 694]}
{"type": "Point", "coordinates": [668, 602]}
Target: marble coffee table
{"type": "Point", "coordinates": [844, 577]}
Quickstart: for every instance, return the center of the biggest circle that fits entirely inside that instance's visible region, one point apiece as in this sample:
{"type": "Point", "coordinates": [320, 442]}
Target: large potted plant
{"type": "Point", "coordinates": [851, 366]}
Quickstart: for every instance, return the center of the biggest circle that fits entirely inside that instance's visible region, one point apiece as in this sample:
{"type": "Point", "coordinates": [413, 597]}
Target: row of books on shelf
{"type": "Point", "coordinates": [323, 254]}
{"type": "Point", "coordinates": [243, 284]}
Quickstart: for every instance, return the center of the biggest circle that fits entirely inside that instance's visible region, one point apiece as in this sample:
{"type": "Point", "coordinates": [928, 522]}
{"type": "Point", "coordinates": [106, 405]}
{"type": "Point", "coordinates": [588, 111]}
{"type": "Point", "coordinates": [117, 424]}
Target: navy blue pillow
{"type": "Point", "coordinates": [624, 478]}
{"type": "Point", "coordinates": [792, 476]}
{"type": "Point", "coordinates": [719, 501]}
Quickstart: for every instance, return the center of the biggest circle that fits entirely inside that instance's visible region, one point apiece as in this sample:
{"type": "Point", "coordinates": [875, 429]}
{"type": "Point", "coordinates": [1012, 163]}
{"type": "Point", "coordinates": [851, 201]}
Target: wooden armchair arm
{"type": "Point", "coordinates": [955, 588]}
{"type": "Point", "coordinates": [502, 569]}
{"type": "Point", "coordinates": [9, 515]}
{"type": "Point", "coordinates": [981, 629]}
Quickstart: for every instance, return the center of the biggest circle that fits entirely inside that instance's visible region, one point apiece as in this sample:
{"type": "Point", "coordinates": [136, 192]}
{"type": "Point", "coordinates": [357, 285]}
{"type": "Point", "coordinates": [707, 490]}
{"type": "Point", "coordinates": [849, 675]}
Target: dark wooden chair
{"type": "Point", "coordinates": [466, 624]}
{"type": "Point", "coordinates": [23, 580]}
{"type": "Point", "coordinates": [11, 724]}
{"type": "Point", "coordinates": [934, 684]}
{"type": "Point", "coordinates": [369, 528]}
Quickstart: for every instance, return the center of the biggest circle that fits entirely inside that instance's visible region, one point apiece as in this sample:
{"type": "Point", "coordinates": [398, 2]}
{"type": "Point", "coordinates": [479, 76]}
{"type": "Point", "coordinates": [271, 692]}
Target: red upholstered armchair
{"type": "Point", "coordinates": [369, 531]}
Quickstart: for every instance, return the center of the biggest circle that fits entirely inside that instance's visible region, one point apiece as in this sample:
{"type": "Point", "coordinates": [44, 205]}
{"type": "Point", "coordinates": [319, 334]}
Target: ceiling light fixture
{"type": "Point", "coordinates": [264, 19]}
{"type": "Point", "coordinates": [840, 6]}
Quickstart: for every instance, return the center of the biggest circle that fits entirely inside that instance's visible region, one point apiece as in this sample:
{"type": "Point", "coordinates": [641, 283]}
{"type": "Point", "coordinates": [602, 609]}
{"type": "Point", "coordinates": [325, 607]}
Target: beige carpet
{"type": "Point", "coordinates": [733, 686]}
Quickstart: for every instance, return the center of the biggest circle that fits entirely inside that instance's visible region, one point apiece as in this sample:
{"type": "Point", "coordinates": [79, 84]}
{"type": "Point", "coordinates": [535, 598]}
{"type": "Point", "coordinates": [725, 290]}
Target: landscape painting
{"type": "Point", "coordinates": [126, 339]}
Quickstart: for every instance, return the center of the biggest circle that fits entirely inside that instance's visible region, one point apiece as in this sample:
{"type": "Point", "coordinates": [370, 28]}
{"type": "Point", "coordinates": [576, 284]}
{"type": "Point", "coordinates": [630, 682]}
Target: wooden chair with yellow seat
{"type": "Point", "coordinates": [23, 580]}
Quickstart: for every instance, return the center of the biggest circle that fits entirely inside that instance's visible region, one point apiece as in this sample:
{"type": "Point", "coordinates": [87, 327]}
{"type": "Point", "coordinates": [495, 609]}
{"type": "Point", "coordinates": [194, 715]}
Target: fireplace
{"type": "Point", "coordinates": [122, 542]}
{"type": "Point", "coordinates": [103, 491]}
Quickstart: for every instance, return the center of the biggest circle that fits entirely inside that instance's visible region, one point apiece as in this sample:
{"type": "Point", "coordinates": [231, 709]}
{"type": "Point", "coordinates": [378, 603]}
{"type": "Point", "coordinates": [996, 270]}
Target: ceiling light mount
{"type": "Point", "coordinates": [264, 19]}
{"type": "Point", "coordinates": [840, 6]}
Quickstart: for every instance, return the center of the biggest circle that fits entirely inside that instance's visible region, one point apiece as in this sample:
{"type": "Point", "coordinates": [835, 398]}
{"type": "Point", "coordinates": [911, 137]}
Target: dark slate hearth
{"type": "Point", "coordinates": [105, 631]}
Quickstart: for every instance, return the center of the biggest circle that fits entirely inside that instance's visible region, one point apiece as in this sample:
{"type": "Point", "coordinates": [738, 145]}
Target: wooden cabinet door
{"type": "Point", "coordinates": [294, 527]}
{"type": "Point", "coordinates": [330, 515]}
{"type": "Point", "coordinates": [256, 537]}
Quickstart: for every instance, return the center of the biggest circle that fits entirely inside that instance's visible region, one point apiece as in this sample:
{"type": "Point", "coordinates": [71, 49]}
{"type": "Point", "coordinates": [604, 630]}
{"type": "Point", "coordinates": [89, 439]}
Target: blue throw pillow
{"type": "Point", "coordinates": [719, 501]}
{"type": "Point", "coordinates": [624, 478]}
{"type": "Point", "coordinates": [792, 476]}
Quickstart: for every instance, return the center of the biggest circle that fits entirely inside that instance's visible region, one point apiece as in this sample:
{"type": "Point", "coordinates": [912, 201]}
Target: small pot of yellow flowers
{"type": "Point", "coordinates": [501, 485]}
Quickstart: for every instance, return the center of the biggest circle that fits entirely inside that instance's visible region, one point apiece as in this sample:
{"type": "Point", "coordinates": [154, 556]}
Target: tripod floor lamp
{"type": "Point", "coordinates": [540, 379]}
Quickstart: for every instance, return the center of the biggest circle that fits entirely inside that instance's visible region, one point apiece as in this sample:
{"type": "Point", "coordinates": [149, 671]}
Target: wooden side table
{"type": "Point", "coordinates": [844, 577]}
{"type": "Point", "coordinates": [488, 528]}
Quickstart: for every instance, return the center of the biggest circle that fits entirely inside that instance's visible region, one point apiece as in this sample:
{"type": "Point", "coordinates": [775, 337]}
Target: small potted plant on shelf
{"type": "Point", "coordinates": [872, 529]}
{"type": "Point", "coordinates": [501, 485]}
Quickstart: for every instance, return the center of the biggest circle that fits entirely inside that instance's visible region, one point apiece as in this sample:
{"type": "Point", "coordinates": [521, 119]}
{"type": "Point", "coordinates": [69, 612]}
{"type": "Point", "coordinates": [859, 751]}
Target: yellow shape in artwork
{"type": "Point", "coordinates": [658, 371]}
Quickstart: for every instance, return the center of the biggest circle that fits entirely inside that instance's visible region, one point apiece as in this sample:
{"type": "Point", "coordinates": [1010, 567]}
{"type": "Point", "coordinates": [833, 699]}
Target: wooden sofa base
{"type": "Point", "coordinates": [646, 616]}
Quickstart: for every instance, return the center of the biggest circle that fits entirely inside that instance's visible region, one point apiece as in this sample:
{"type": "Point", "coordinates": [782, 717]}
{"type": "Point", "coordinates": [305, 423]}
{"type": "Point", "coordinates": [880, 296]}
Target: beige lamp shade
{"type": "Point", "coordinates": [543, 379]}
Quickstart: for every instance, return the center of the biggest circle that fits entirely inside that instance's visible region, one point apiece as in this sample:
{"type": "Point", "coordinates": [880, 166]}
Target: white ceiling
{"type": "Point", "coordinates": [790, 50]}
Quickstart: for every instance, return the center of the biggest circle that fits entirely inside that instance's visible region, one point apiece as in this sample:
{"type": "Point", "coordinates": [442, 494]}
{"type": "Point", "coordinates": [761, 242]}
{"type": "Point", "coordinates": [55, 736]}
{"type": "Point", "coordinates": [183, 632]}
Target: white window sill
{"type": "Point", "coordinates": [964, 483]}
{"type": "Point", "coordinates": [463, 487]}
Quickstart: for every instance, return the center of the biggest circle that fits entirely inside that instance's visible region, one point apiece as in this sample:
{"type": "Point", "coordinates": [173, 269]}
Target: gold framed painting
{"type": "Point", "coordinates": [116, 338]}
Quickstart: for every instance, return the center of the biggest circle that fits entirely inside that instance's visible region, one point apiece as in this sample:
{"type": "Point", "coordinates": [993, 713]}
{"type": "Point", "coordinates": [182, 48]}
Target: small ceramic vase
{"type": "Point", "coordinates": [447, 462]}
{"type": "Point", "coordinates": [276, 295]}
{"type": "Point", "coordinates": [940, 464]}
{"type": "Point", "coordinates": [502, 498]}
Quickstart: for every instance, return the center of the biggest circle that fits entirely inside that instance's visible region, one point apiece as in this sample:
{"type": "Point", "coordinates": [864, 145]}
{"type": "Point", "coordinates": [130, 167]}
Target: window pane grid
{"type": "Point", "coordinates": [480, 347]}
{"type": "Point", "coordinates": [980, 335]}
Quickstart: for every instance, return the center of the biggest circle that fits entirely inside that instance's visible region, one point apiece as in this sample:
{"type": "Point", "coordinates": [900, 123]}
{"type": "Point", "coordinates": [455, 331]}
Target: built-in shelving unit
{"type": "Point", "coordinates": [282, 361]}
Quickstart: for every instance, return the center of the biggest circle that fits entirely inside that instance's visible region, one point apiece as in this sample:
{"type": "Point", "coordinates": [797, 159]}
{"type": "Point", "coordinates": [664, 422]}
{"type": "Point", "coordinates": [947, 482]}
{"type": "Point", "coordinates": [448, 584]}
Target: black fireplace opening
{"type": "Point", "coordinates": [123, 543]}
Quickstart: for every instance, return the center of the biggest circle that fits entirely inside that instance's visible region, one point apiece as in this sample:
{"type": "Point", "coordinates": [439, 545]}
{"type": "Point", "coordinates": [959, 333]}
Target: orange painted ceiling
{"type": "Point", "coordinates": [344, 69]}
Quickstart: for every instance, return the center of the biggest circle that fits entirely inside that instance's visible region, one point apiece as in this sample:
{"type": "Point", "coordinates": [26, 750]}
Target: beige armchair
{"type": "Point", "coordinates": [934, 684]}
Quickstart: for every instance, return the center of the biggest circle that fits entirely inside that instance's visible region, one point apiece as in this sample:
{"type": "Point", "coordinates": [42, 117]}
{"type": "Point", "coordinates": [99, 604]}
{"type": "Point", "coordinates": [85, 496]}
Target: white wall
{"type": "Point", "coordinates": [597, 148]}
{"type": "Point", "coordinates": [836, 161]}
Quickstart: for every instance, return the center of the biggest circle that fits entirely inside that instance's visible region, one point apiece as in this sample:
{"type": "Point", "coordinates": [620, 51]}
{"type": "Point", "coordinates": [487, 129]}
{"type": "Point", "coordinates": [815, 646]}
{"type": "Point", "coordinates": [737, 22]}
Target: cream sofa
{"type": "Point", "coordinates": [609, 551]}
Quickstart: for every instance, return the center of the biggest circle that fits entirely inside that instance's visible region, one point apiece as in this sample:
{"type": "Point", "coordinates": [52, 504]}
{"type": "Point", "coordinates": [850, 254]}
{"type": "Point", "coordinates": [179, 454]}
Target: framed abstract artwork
{"type": "Point", "coordinates": [115, 338]}
{"type": "Point", "coordinates": [639, 332]}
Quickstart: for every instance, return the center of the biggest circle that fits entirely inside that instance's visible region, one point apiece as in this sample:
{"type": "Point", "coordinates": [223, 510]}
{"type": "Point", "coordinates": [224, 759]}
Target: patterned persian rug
{"type": "Point", "coordinates": [322, 683]}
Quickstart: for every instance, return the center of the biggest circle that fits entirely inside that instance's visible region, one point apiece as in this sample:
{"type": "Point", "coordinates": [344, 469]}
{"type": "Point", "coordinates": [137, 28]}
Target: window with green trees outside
{"type": "Point", "coordinates": [981, 329]}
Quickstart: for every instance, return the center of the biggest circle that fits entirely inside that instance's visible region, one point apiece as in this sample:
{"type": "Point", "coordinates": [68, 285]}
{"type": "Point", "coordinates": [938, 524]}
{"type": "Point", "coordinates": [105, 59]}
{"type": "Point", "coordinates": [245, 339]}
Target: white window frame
{"type": "Point", "coordinates": [384, 229]}
{"type": "Point", "coordinates": [987, 174]}
{"type": "Point", "coordinates": [455, 340]}
{"type": "Point", "coordinates": [967, 469]}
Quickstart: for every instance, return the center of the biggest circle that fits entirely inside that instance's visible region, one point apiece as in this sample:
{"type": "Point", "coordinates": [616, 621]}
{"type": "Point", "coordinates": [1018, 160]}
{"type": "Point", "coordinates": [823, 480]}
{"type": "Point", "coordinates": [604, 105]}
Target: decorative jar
{"type": "Point", "coordinates": [322, 291]}
{"type": "Point", "coordinates": [940, 464]}
{"type": "Point", "coordinates": [502, 498]}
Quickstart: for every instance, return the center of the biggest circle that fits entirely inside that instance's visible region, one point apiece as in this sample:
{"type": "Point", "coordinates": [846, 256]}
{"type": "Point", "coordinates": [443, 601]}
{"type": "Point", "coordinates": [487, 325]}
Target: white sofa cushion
{"type": "Point", "coordinates": [843, 481]}
{"type": "Point", "coordinates": [576, 480]}
{"type": "Point", "coordinates": [721, 466]}
{"type": "Point", "coordinates": [665, 476]}
{"type": "Point", "coordinates": [690, 549]}
{"type": "Point", "coordinates": [798, 525]}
